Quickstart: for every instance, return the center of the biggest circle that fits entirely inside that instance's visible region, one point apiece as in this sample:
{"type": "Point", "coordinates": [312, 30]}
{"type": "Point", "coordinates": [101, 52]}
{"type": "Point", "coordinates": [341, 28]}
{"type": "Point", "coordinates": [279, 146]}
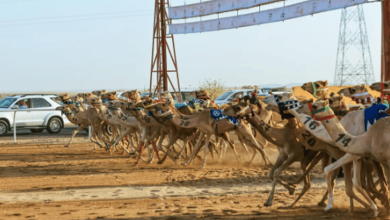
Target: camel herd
{"type": "Point", "coordinates": [310, 132]}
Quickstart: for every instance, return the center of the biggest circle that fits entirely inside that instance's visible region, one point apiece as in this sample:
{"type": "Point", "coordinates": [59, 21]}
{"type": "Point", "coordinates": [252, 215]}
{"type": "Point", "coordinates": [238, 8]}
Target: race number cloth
{"type": "Point", "coordinates": [263, 17]}
{"type": "Point", "coordinates": [213, 7]}
{"type": "Point", "coordinates": [373, 114]}
{"type": "Point", "coordinates": [217, 115]}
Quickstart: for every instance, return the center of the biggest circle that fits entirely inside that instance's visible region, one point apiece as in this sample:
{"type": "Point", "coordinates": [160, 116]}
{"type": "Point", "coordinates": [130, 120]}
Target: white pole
{"type": "Point", "coordinates": [14, 126]}
{"type": "Point", "coordinates": [89, 132]}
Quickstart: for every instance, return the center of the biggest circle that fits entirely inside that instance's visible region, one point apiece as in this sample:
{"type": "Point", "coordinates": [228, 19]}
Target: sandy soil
{"type": "Point", "coordinates": [35, 170]}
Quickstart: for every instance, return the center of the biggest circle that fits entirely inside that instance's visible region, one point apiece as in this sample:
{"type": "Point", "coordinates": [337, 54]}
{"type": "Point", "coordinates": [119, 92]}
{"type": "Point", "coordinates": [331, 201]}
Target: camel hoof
{"type": "Point", "coordinates": [66, 146]}
{"type": "Point", "coordinates": [329, 206]}
{"type": "Point", "coordinates": [184, 164]}
{"type": "Point", "coordinates": [268, 204]}
{"type": "Point", "coordinates": [376, 213]}
{"type": "Point", "coordinates": [291, 191]}
{"type": "Point", "coordinates": [290, 206]}
{"type": "Point", "coordinates": [321, 204]}
{"type": "Point", "coordinates": [160, 162]}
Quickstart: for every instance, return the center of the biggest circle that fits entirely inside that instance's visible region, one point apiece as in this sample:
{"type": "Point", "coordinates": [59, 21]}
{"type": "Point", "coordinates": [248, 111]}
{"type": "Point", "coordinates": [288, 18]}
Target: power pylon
{"type": "Point", "coordinates": [353, 64]}
{"type": "Point", "coordinates": [161, 50]}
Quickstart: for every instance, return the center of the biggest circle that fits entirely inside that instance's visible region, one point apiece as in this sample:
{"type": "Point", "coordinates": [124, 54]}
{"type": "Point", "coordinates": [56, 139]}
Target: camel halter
{"type": "Point", "coordinates": [383, 92]}
{"type": "Point", "coordinates": [315, 90]}
{"type": "Point", "coordinates": [314, 112]}
{"type": "Point", "coordinates": [282, 107]}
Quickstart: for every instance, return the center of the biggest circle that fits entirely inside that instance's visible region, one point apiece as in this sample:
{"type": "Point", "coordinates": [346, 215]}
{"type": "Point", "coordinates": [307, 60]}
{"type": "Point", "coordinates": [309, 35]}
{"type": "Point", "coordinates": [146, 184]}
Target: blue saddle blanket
{"type": "Point", "coordinates": [217, 115]}
{"type": "Point", "coordinates": [373, 114]}
{"type": "Point", "coordinates": [180, 105]}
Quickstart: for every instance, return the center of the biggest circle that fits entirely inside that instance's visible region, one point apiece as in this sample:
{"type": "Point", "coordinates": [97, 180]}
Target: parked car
{"type": "Point", "coordinates": [233, 94]}
{"type": "Point", "coordinates": [28, 118]}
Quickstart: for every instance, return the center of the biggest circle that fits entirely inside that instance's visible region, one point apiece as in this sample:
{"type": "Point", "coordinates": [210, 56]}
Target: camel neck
{"type": "Point", "coordinates": [274, 135]}
{"type": "Point", "coordinates": [344, 140]}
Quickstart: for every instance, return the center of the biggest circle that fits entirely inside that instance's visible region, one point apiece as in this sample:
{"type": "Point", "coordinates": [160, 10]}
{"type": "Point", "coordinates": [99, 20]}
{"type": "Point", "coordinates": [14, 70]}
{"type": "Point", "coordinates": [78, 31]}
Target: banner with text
{"type": "Point", "coordinates": [213, 7]}
{"type": "Point", "coordinates": [264, 17]}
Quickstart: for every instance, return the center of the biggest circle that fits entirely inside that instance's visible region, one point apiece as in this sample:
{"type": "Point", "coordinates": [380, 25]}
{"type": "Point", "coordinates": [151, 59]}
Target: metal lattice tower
{"type": "Point", "coordinates": [353, 64]}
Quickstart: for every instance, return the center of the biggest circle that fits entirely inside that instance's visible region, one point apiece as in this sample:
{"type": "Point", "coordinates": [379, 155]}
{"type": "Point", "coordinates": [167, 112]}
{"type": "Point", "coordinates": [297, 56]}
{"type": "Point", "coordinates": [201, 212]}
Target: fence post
{"type": "Point", "coordinates": [14, 126]}
{"type": "Point", "coordinates": [89, 132]}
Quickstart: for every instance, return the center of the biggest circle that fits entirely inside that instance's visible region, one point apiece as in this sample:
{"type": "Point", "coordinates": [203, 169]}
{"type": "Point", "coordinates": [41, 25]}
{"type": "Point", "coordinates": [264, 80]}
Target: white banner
{"type": "Point", "coordinates": [263, 17]}
{"type": "Point", "coordinates": [213, 7]}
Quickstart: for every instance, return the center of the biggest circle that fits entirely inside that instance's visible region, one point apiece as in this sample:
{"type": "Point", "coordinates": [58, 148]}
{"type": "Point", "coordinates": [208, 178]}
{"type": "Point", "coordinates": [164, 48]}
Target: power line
{"type": "Point", "coordinates": [70, 16]}
{"type": "Point", "coordinates": [85, 19]}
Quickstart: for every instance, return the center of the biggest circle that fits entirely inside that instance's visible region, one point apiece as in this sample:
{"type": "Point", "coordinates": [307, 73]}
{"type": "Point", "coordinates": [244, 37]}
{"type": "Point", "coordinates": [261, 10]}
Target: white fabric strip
{"type": "Point", "coordinates": [360, 94]}
{"type": "Point", "coordinates": [213, 7]}
{"type": "Point", "coordinates": [263, 17]}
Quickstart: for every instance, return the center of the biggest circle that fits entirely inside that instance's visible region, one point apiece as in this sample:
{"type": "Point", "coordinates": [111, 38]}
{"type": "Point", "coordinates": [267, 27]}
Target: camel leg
{"type": "Point", "coordinates": [349, 187]}
{"type": "Point", "coordinates": [139, 153]}
{"type": "Point", "coordinates": [206, 147]}
{"type": "Point", "coordinates": [347, 158]}
{"type": "Point", "coordinates": [383, 183]}
{"type": "Point", "coordinates": [226, 137]}
{"type": "Point", "coordinates": [313, 163]}
{"type": "Point", "coordinates": [306, 183]}
{"type": "Point", "coordinates": [249, 136]}
{"type": "Point", "coordinates": [194, 151]}
{"type": "Point", "coordinates": [357, 184]}
{"type": "Point", "coordinates": [82, 126]}
{"type": "Point", "coordinates": [155, 149]}
{"type": "Point", "coordinates": [291, 159]}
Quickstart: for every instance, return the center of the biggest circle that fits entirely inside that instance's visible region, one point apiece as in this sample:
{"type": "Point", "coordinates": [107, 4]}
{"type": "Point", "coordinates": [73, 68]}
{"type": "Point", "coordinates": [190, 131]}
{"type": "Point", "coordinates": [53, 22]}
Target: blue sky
{"type": "Point", "coordinates": [112, 49]}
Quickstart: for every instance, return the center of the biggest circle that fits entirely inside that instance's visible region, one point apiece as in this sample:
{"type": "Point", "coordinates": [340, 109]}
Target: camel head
{"type": "Point", "coordinates": [164, 106]}
{"type": "Point", "coordinates": [337, 101]}
{"type": "Point", "coordinates": [166, 96]}
{"type": "Point", "coordinates": [241, 109]}
{"type": "Point", "coordinates": [350, 91]}
{"type": "Point", "coordinates": [318, 89]}
{"type": "Point", "coordinates": [378, 87]}
{"type": "Point", "coordinates": [111, 96]}
{"type": "Point", "coordinates": [98, 92]}
{"type": "Point", "coordinates": [96, 100]}
{"type": "Point", "coordinates": [202, 94]}
{"type": "Point", "coordinates": [64, 109]}
{"type": "Point", "coordinates": [132, 94]}
{"type": "Point", "coordinates": [272, 105]}
{"type": "Point", "coordinates": [115, 104]}
{"type": "Point", "coordinates": [304, 108]}
{"type": "Point", "coordinates": [63, 97]}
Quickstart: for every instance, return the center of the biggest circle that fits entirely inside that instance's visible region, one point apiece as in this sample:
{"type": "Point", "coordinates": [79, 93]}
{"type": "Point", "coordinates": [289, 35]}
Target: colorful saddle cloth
{"type": "Point", "coordinates": [180, 105]}
{"type": "Point", "coordinates": [373, 114]}
{"type": "Point", "coordinates": [217, 116]}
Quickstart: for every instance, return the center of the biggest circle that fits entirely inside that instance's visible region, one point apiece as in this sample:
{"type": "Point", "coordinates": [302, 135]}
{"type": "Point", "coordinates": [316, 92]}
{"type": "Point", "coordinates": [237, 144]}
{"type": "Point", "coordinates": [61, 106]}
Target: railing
{"type": "Point", "coordinates": [36, 110]}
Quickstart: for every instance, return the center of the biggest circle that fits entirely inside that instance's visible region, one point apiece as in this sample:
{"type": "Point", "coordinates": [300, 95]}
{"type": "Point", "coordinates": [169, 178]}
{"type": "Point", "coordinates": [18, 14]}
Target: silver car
{"type": "Point", "coordinates": [34, 112]}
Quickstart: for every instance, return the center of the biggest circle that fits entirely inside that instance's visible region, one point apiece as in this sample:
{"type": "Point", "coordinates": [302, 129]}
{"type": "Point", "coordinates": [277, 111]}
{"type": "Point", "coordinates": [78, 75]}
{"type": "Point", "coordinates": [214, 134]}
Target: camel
{"type": "Point", "coordinates": [338, 105]}
{"type": "Point", "coordinates": [374, 143]}
{"type": "Point", "coordinates": [84, 119]}
{"type": "Point", "coordinates": [290, 149]}
{"type": "Point", "coordinates": [317, 130]}
{"type": "Point", "coordinates": [353, 123]}
{"type": "Point", "coordinates": [318, 89]}
{"type": "Point", "coordinates": [209, 126]}
{"type": "Point", "coordinates": [383, 88]}
{"type": "Point", "coordinates": [83, 123]}
{"type": "Point", "coordinates": [359, 94]}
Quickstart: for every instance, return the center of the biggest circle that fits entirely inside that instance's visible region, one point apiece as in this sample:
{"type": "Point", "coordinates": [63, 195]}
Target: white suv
{"type": "Point", "coordinates": [234, 94]}
{"type": "Point", "coordinates": [40, 114]}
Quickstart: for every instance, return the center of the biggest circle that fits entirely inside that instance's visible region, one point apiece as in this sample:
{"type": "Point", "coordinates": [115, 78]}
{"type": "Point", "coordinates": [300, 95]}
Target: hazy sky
{"type": "Point", "coordinates": [42, 50]}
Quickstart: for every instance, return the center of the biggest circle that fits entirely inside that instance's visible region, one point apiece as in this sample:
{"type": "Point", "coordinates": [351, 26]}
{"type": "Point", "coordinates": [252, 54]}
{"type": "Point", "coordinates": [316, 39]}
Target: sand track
{"type": "Point", "coordinates": [52, 182]}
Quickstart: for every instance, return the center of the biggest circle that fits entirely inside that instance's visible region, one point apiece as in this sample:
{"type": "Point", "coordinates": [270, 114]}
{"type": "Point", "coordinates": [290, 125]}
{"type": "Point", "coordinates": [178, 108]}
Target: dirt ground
{"type": "Point", "coordinates": [28, 172]}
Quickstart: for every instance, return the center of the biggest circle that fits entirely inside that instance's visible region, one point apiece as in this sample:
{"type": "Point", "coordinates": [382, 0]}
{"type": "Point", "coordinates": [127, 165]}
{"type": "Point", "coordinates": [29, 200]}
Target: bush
{"type": "Point", "coordinates": [215, 88]}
